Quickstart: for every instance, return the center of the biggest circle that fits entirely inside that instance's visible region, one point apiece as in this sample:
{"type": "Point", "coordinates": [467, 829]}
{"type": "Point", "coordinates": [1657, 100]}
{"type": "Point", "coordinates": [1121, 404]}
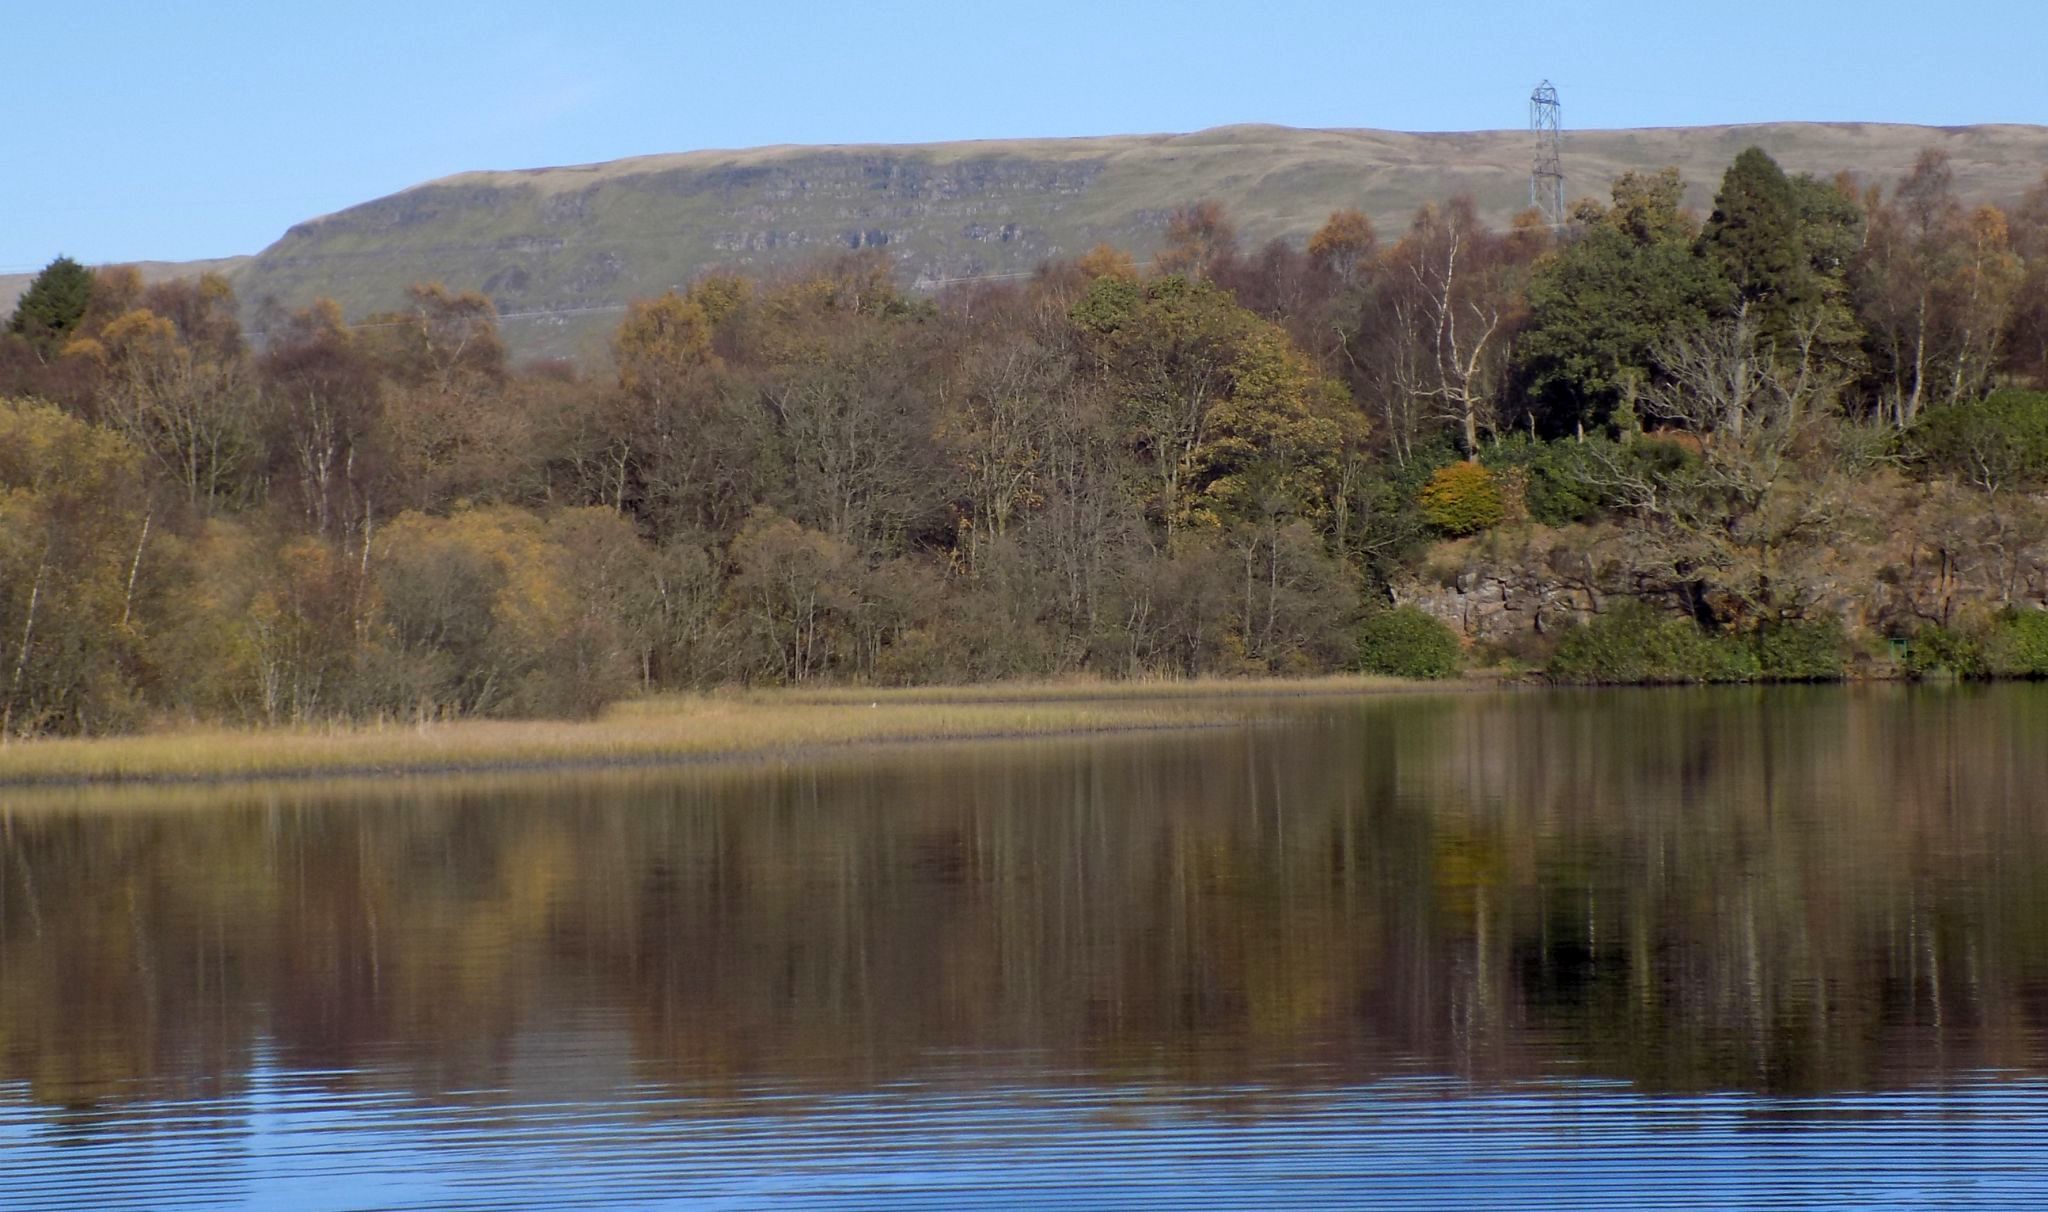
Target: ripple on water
{"type": "Point", "coordinates": [292, 1141]}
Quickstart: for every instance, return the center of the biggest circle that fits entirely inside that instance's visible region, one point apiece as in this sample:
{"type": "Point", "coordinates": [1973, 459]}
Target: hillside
{"type": "Point", "coordinates": [573, 244]}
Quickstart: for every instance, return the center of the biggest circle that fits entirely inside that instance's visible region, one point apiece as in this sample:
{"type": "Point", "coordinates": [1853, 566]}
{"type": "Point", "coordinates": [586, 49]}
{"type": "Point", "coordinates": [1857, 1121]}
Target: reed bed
{"type": "Point", "coordinates": [722, 724]}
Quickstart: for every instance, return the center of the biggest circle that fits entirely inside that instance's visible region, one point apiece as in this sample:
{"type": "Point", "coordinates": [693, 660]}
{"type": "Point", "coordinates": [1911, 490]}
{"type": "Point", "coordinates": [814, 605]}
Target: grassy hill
{"type": "Point", "coordinates": [562, 249]}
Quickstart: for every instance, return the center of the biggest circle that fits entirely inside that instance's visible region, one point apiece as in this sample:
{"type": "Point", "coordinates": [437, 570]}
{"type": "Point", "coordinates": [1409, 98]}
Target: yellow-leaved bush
{"type": "Point", "coordinates": [1462, 499]}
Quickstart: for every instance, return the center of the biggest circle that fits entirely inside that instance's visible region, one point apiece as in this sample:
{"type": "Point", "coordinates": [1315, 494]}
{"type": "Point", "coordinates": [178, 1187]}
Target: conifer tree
{"type": "Point", "coordinates": [53, 304]}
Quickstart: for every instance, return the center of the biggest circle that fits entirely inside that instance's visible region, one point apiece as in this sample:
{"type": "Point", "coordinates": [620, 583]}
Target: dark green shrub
{"type": "Point", "coordinates": [2012, 645]}
{"type": "Point", "coordinates": [1557, 485]}
{"type": "Point", "coordinates": [1937, 651]}
{"type": "Point", "coordinates": [2000, 441]}
{"type": "Point", "coordinates": [1406, 643]}
{"type": "Point", "coordinates": [1802, 652]}
{"type": "Point", "coordinates": [1571, 480]}
{"type": "Point", "coordinates": [1633, 644]}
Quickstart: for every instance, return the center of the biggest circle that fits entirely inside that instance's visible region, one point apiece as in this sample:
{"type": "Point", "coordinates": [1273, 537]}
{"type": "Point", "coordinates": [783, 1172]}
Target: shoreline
{"type": "Point", "coordinates": [675, 730]}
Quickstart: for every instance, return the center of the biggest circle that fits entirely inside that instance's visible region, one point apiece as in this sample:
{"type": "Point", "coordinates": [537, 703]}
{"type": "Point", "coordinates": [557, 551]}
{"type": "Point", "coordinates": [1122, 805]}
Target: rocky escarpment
{"type": "Point", "coordinates": [536, 249]}
{"type": "Point", "coordinates": [561, 250]}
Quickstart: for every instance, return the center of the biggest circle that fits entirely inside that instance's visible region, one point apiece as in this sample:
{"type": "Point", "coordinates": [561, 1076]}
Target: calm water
{"type": "Point", "coordinates": [1742, 948]}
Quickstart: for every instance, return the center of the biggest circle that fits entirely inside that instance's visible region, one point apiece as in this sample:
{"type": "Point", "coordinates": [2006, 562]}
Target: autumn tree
{"type": "Point", "coordinates": [996, 427]}
{"type": "Point", "coordinates": [1344, 247]}
{"type": "Point", "coordinates": [1105, 261]}
{"type": "Point", "coordinates": [1935, 286]}
{"type": "Point", "coordinates": [175, 381]}
{"type": "Point", "coordinates": [1200, 240]}
{"type": "Point", "coordinates": [665, 361]}
{"type": "Point", "coordinates": [1213, 399]}
{"type": "Point", "coordinates": [73, 542]}
{"type": "Point", "coordinates": [443, 421]}
{"type": "Point", "coordinates": [2026, 342]}
{"type": "Point", "coordinates": [849, 432]}
{"type": "Point", "coordinates": [493, 611]}
{"type": "Point", "coordinates": [323, 403]}
{"type": "Point", "coordinates": [1452, 289]}
{"type": "Point", "coordinates": [792, 599]}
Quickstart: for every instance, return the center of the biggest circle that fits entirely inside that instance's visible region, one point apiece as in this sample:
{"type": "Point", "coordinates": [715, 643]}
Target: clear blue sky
{"type": "Point", "coordinates": [147, 129]}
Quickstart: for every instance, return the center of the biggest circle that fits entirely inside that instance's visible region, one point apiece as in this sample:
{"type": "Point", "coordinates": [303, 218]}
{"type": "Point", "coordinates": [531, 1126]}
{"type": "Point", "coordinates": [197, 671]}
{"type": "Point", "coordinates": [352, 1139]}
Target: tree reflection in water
{"type": "Point", "coordinates": [1764, 889]}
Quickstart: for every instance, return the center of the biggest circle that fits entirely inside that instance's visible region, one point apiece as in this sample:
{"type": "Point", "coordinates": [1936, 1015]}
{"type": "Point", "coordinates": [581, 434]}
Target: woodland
{"type": "Point", "coordinates": [1803, 436]}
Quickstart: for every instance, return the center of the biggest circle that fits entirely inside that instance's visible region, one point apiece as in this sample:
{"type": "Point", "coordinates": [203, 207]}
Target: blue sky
{"type": "Point", "coordinates": [203, 128]}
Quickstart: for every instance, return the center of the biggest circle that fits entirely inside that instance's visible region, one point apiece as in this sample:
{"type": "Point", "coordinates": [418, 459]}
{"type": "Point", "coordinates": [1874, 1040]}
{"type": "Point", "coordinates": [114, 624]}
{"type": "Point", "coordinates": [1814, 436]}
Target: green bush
{"type": "Point", "coordinates": [1570, 480]}
{"type": "Point", "coordinates": [1938, 651]}
{"type": "Point", "coordinates": [1462, 499]}
{"type": "Point", "coordinates": [2000, 441]}
{"type": "Point", "coordinates": [1406, 643]}
{"type": "Point", "coordinates": [1557, 485]}
{"type": "Point", "coordinates": [1802, 652]}
{"type": "Point", "coordinates": [1633, 644]}
{"type": "Point", "coordinates": [2017, 645]}
{"type": "Point", "coordinates": [2011, 645]}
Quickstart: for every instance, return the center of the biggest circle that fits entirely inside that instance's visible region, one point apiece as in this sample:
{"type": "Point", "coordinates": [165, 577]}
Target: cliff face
{"type": "Point", "coordinates": [561, 250]}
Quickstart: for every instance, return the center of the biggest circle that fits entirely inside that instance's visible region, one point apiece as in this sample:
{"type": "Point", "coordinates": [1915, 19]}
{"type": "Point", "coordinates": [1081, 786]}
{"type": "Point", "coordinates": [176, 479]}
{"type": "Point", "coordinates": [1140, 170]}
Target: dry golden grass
{"type": "Point", "coordinates": [725, 724]}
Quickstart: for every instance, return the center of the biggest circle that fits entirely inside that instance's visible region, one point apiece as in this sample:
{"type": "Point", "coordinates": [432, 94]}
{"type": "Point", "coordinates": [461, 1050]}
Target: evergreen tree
{"type": "Point", "coordinates": [1753, 239]}
{"type": "Point", "coordinates": [1784, 245]}
{"type": "Point", "coordinates": [53, 304]}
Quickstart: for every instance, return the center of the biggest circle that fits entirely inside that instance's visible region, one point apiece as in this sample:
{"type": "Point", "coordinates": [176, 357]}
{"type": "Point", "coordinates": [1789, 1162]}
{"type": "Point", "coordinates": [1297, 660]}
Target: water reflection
{"type": "Point", "coordinates": [1767, 890]}
{"type": "Point", "coordinates": [1783, 891]}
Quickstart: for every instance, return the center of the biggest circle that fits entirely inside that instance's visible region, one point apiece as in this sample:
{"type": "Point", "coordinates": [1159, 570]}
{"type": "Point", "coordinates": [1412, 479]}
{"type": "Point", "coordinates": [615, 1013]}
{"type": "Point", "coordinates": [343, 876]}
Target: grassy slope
{"type": "Point", "coordinates": [667, 729]}
{"type": "Point", "coordinates": [595, 236]}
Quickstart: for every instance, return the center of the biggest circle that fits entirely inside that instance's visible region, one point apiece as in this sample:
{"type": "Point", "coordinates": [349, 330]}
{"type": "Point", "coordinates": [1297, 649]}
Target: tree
{"type": "Point", "coordinates": [52, 306]}
{"type": "Point", "coordinates": [443, 422]}
{"type": "Point", "coordinates": [1717, 382]}
{"type": "Point", "coordinates": [1735, 535]}
{"type": "Point", "coordinates": [324, 404]}
{"type": "Point", "coordinates": [2026, 341]}
{"type": "Point", "coordinates": [73, 517]}
{"type": "Point", "coordinates": [995, 430]}
{"type": "Point", "coordinates": [1452, 289]}
{"type": "Point", "coordinates": [1104, 261]}
{"type": "Point", "coordinates": [448, 339]}
{"type": "Point", "coordinates": [1218, 402]}
{"type": "Point", "coordinates": [1293, 601]}
{"type": "Point", "coordinates": [1996, 444]}
{"type": "Point", "coordinates": [1200, 241]}
{"type": "Point", "coordinates": [1598, 305]}
{"type": "Point", "coordinates": [178, 385]}
{"type": "Point", "coordinates": [849, 429]}
{"type": "Point", "coordinates": [1935, 286]}
{"type": "Point", "coordinates": [1978, 301]}
{"type": "Point", "coordinates": [792, 599]}
{"type": "Point", "coordinates": [1343, 247]}
{"type": "Point", "coordinates": [493, 612]}
{"type": "Point", "coordinates": [665, 360]}
{"type": "Point", "coordinates": [1784, 245]}
{"type": "Point", "coordinates": [1753, 238]}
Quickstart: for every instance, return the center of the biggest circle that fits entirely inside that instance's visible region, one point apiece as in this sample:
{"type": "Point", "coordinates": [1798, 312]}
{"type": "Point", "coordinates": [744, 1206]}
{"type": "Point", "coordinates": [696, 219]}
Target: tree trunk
{"type": "Point", "coordinates": [28, 631]}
